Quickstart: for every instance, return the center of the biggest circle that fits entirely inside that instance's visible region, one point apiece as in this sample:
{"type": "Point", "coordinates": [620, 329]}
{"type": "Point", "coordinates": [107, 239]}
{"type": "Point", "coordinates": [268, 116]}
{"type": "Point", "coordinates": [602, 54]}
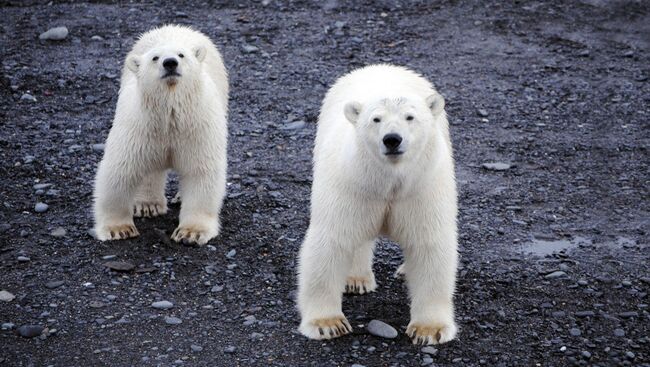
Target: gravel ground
{"type": "Point", "coordinates": [554, 240]}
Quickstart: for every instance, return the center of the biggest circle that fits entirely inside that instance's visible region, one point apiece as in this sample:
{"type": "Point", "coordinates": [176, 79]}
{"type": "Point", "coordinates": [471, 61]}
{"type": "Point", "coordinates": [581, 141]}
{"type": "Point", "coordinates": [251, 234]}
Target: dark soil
{"type": "Point", "coordinates": [557, 89]}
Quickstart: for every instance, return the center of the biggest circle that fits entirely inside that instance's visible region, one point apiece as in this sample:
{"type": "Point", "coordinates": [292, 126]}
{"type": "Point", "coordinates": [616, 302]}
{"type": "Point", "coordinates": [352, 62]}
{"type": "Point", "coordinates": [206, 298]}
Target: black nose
{"type": "Point", "coordinates": [392, 141]}
{"type": "Point", "coordinates": [170, 64]}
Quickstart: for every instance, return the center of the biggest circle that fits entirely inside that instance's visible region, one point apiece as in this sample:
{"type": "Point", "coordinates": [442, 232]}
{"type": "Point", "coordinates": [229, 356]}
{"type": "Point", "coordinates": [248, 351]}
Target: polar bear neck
{"type": "Point", "coordinates": [172, 104]}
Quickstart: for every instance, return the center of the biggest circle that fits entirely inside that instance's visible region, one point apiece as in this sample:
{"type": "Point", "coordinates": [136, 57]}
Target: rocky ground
{"type": "Point", "coordinates": [554, 241]}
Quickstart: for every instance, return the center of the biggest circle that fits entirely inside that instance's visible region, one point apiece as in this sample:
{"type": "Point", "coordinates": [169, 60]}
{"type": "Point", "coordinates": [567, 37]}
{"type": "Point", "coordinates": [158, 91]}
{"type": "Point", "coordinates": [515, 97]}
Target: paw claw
{"type": "Point", "coordinates": [327, 328]}
{"type": "Point", "coordinates": [189, 235]}
{"type": "Point", "coordinates": [426, 334]}
{"type": "Point", "coordinates": [143, 209]}
{"type": "Point", "coordinates": [360, 285]}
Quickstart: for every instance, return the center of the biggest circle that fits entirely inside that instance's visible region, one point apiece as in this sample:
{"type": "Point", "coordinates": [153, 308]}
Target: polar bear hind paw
{"type": "Point", "coordinates": [149, 209]}
{"type": "Point", "coordinates": [360, 285]}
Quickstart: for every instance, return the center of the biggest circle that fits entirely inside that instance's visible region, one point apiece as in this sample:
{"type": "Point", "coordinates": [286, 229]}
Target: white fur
{"type": "Point", "coordinates": [160, 124]}
{"type": "Point", "coordinates": [359, 194]}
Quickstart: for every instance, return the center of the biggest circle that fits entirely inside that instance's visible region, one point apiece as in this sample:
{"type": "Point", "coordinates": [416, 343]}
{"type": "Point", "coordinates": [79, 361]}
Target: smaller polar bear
{"type": "Point", "coordinates": [382, 166]}
{"type": "Point", "coordinates": [171, 114]}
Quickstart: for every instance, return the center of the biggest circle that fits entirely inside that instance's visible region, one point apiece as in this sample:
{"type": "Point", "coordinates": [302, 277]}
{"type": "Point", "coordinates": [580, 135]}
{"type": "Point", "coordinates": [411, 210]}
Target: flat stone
{"type": "Point", "coordinates": [555, 275]}
{"type": "Point", "coordinates": [575, 332]}
{"type": "Point", "coordinates": [230, 349]}
{"type": "Point", "coordinates": [629, 314]}
{"type": "Point", "coordinates": [429, 350]}
{"type": "Point", "coordinates": [496, 166]}
{"type": "Point", "coordinates": [249, 49]}
{"type": "Point", "coordinates": [54, 284]}
{"type": "Point", "coordinates": [23, 259]}
{"type": "Point", "coordinates": [30, 331]}
{"type": "Point", "coordinates": [119, 265]}
{"type": "Point", "coordinates": [481, 112]}
{"type": "Point", "coordinates": [41, 186]}
{"type": "Point", "coordinates": [619, 332]}
{"type": "Point", "coordinates": [54, 34]}
{"type": "Point", "coordinates": [293, 125]}
{"type": "Point", "coordinates": [8, 326]}
{"type": "Point", "coordinates": [196, 348]}
{"type": "Point", "coordinates": [381, 329]}
{"type": "Point", "coordinates": [171, 320]}
{"type": "Point", "coordinates": [98, 147]}
{"type": "Point", "coordinates": [58, 232]}
{"type": "Point", "coordinates": [6, 296]}
{"type": "Point", "coordinates": [231, 253]}
{"type": "Point", "coordinates": [585, 313]}
{"type": "Point", "coordinates": [162, 305]}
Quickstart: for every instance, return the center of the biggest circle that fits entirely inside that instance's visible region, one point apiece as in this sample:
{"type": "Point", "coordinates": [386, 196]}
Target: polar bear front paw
{"type": "Point", "coordinates": [188, 234]}
{"type": "Point", "coordinates": [116, 232]}
{"type": "Point", "coordinates": [326, 328]}
{"type": "Point", "coordinates": [360, 285]}
{"type": "Point", "coordinates": [431, 333]}
{"type": "Point", "coordinates": [149, 209]}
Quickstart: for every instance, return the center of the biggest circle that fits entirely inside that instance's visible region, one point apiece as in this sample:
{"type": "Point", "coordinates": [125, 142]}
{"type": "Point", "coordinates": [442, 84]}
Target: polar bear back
{"type": "Point", "coordinates": [187, 37]}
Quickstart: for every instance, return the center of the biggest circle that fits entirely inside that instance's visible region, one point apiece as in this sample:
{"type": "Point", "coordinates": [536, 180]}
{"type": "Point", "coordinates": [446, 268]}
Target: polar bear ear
{"type": "Point", "coordinates": [436, 103]}
{"type": "Point", "coordinates": [133, 63]}
{"type": "Point", "coordinates": [200, 52]}
{"type": "Point", "coordinates": [352, 111]}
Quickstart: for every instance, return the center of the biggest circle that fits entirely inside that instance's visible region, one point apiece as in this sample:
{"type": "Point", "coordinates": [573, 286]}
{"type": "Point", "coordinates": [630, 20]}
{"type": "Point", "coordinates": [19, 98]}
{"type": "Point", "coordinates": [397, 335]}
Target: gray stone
{"type": "Point", "coordinates": [41, 207]}
{"type": "Point", "coordinates": [41, 186]}
{"type": "Point", "coordinates": [585, 313]}
{"type": "Point", "coordinates": [426, 360]}
{"type": "Point", "coordinates": [30, 331]}
{"type": "Point", "coordinates": [293, 125]}
{"type": "Point", "coordinates": [54, 284]}
{"type": "Point", "coordinates": [97, 38]}
{"type": "Point", "coordinates": [162, 305]}
{"type": "Point", "coordinates": [429, 350]}
{"type": "Point", "coordinates": [58, 232]}
{"type": "Point", "coordinates": [230, 349]}
{"type": "Point", "coordinates": [481, 112]}
{"type": "Point", "coordinates": [119, 266]}
{"type": "Point", "coordinates": [256, 336]}
{"type": "Point", "coordinates": [586, 354]}
{"type": "Point", "coordinates": [27, 97]}
{"type": "Point", "coordinates": [8, 326]}
{"type": "Point", "coordinates": [98, 147]}
{"type": "Point", "coordinates": [6, 296]}
{"type": "Point", "coordinates": [381, 329]}
{"type": "Point", "coordinates": [575, 332]}
{"type": "Point", "coordinates": [196, 348]}
{"type": "Point", "coordinates": [496, 166]}
{"type": "Point", "coordinates": [249, 49]}
{"type": "Point", "coordinates": [55, 34]}
{"type": "Point", "coordinates": [231, 253]}
{"type": "Point", "coordinates": [629, 314]}
{"type": "Point", "coordinates": [619, 332]}
{"type": "Point", "coordinates": [23, 259]}
{"type": "Point", "coordinates": [171, 320]}
{"type": "Point", "coordinates": [555, 274]}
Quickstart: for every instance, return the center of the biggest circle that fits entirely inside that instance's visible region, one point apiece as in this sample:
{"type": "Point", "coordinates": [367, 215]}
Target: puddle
{"type": "Point", "coordinates": [541, 248]}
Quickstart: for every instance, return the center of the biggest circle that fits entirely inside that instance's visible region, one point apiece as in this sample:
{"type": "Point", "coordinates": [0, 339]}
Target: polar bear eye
{"type": "Point", "coordinates": [376, 119]}
{"type": "Point", "coordinates": [155, 58]}
{"type": "Point", "coordinates": [409, 118]}
{"type": "Point", "coordinates": [181, 55]}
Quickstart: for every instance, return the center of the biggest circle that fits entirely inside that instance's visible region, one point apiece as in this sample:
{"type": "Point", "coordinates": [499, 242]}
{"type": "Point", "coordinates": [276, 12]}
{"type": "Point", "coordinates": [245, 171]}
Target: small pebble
{"type": "Point", "coordinates": [196, 348]}
{"type": "Point", "coordinates": [8, 326]}
{"type": "Point", "coordinates": [230, 349]}
{"type": "Point", "coordinates": [54, 284]}
{"type": "Point", "coordinates": [30, 331]}
{"type": "Point", "coordinates": [231, 253]}
{"type": "Point", "coordinates": [170, 320]}
{"type": "Point", "coordinates": [27, 97]}
{"type": "Point", "coordinates": [6, 296]}
{"type": "Point", "coordinates": [23, 259]}
{"type": "Point", "coordinates": [426, 360]}
{"type": "Point", "coordinates": [575, 332]}
{"type": "Point", "coordinates": [481, 112]}
{"type": "Point", "coordinates": [555, 275]}
{"type": "Point", "coordinates": [586, 354]}
{"type": "Point", "coordinates": [429, 350]}
{"type": "Point", "coordinates": [55, 34]}
{"type": "Point", "coordinates": [619, 332]}
{"type": "Point", "coordinates": [162, 305]}
{"type": "Point", "coordinates": [58, 232]}
{"type": "Point", "coordinates": [496, 166]}
{"type": "Point", "coordinates": [41, 207]}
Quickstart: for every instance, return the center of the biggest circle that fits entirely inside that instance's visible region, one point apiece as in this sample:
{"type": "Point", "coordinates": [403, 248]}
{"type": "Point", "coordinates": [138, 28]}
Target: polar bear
{"type": "Point", "coordinates": [383, 165]}
{"type": "Point", "coordinates": [171, 114]}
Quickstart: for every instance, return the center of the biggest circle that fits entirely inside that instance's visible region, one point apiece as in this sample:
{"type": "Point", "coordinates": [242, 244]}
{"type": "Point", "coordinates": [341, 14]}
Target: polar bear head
{"type": "Point", "coordinates": [397, 128]}
{"type": "Point", "coordinates": [168, 65]}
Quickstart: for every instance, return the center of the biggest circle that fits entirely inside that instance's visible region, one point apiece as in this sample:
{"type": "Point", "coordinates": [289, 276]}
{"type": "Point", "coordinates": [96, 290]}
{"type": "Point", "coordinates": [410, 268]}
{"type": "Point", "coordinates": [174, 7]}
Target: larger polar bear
{"type": "Point", "coordinates": [171, 114]}
{"type": "Point", "coordinates": [382, 166]}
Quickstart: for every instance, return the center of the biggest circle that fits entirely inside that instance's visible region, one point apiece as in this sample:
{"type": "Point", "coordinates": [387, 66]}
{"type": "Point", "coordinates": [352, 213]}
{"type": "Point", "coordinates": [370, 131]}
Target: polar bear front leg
{"type": "Point", "coordinates": [323, 267]}
{"type": "Point", "coordinates": [150, 200]}
{"type": "Point", "coordinates": [202, 199]}
{"type": "Point", "coordinates": [115, 188]}
{"type": "Point", "coordinates": [360, 278]}
{"type": "Point", "coordinates": [430, 271]}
